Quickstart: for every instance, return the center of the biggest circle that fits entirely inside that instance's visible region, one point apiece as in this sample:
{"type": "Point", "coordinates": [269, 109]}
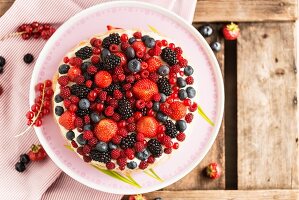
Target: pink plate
{"type": "Point", "coordinates": [209, 86]}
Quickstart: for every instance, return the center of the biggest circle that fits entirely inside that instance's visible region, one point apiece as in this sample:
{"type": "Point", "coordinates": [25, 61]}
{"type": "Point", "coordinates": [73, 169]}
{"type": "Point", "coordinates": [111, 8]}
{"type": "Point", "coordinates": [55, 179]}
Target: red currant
{"type": "Point", "coordinates": [29, 115]}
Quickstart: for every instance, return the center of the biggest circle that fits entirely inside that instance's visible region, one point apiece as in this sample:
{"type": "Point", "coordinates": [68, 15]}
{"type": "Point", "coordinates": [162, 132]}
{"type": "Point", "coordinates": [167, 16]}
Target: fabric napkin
{"type": "Point", "coordinates": [41, 180]}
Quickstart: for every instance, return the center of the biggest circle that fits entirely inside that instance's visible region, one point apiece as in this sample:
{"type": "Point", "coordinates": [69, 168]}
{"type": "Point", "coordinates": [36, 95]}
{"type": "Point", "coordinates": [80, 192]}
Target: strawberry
{"type": "Point", "coordinates": [137, 197]}
{"type": "Point", "coordinates": [145, 89]}
{"type": "Point", "coordinates": [178, 110]}
{"type": "Point", "coordinates": [147, 126]}
{"type": "Point", "coordinates": [123, 58]}
{"type": "Point", "coordinates": [74, 72]}
{"type": "Point", "coordinates": [138, 46]}
{"type": "Point", "coordinates": [213, 171]}
{"type": "Point", "coordinates": [231, 31]}
{"type": "Point", "coordinates": [67, 120]}
{"type": "Point", "coordinates": [153, 64]}
{"type": "Point", "coordinates": [103, 79]}
{"type": "Point", "coordinates": [109, 27]}
{"type": "Point", "coordinates": [105, 130]}
{"type": "Point", "coordinates": [37, 153]}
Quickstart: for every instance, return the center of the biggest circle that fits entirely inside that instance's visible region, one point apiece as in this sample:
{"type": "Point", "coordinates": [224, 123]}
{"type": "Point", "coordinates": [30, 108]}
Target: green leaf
{"type": "Point", "coordinates": [69, 147]}
{"type": "Point", "coordinates": [201, 112]}
{"type": "Point", "coordinates": [153, 174]}
{"type": "Point", "coordinates": [153, 29]}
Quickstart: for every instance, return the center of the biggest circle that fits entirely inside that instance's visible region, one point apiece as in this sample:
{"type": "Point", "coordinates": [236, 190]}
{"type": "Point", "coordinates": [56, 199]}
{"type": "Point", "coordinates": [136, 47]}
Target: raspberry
{"type": "Point", "coordinates": [86, 158]}
{"type": "Point", "coordinates": [117, 94]}
{"type": "Point", "coordinates": [175, 69]}
{"type": "Point", "coordinates": [130, 153]}
{"type": "Point", "coordinates": [110, 165]}
{"type": "Point", "coordinates": [67, 103]}
{"type": "Point", "coordinates": [78, 122]}
{"type": "Point", "coordinates": [122, 168]}
{"type": "Point", "coordinates": [122, 132]}
{"type": "Point", "coordinates": [183, 62]}
{"type": "Point", "coordinates": [109, 111]}
{"type": "Point", "coordinates": [74, 144]}
{"type": "Point", "coordinates": [154, 77]}
{"type": "Point", "coordinates": [80, 151]}
{"type": "Point", "coordinates": [140, 137]}
{"type": "Point", "coordinates": [113, 48]}
{"type": "Point", "coordinates": [168, 150]}
{"type": "Point", "coordinates": [103, 95]}
{"type": "Point", "coordinates": [87, 135]}
{"type": "Point", "coordinates": [124, 38]}
{"type": "Point", "coordinates": [189, 80]}
{"type": "Point", "coordinates": [74, 61]}
{"type": "Point", "coordinates": [143, 165]}
{"type": "Point", "coordinates": [167, 141]}
{"type": "Point", "coordinates": [157, 97]}
{"type": "Point", "coordinates": [140, 104]}
{"type": "Point", "coordinates": [178, 50]}
{"type": "Point", "coordinates": [86, 149]}
{"type": "Point", "coordinates": [74, 99]}
{"type": "Point", "coordinates": [92, 69]}
{"type": "Point", "coordinates": [139, 146]}
{"type": "Point", "coordinates": [121, 162]}
{"type": "Point", "coordinates": [65, 92]}
{"type": "Point", "coordinates": [130, 120]}
{"type": "Point", "coordinates": [86, 119]}
{"type": "Point", "coordinates": [137, 35]}
{"type": "Point", "coordinates": [124, 46]}
{"type": "Point", "coordinates": [63, 80]}
{"type": "Point", "coordinates": [118, 70]}
{"type": "Point", "coordinates": [149, 104]}
{"type": "Point", "coordinates": [151, 159]}
{"type": "Point", "coordinates": [131, 127]}
{"type": "Point", "coordinates": [144, 74]}
{"type": "Point", "coordinates": [189, 117]}
{"type": "Point", "coordinates": [95, 59]}
{"type": "Point", "coordinates": [115, 153]}
{"type": "Point", "coordinates": [113, 103]}
{"type": "Point", "coordinates": [157, 51]}
{"type": "Point", "coordinates": [116, 117]}
{"type": "Point", "coordinates": [93, 141]}
{"type": "Point", "coordinates": [175, 145]}
{"type": "Point", "coordinates": [193, 107]}
{"type": "Point", "coordinates": [123, 154]}
{"type": "Point", "coordinates": [88, 83]}
{"type": "Point", "coordinates": [130, 79]}
{"type": "Point", "coordinates": [116, 139]}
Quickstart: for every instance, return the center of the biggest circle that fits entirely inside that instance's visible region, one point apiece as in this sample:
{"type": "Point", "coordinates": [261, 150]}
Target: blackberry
{"type": "Point", "coordinates": [100, 66]}
{"type": "Point", "coordinates": [114, 38]}
{"type": "Point", "coordinates": [82, 112]}
{"type": "Point", "coordinates": [111, 61]}
{"type": "Point", "coordinates": [128, 142]}
{"type": "Point", "coordinates": [124, 108]}
{"type": "Point", "coordinates": [169, 56]}
{"type": "Point", "coordinates": [106, 43]}
{"type": "Point", "coordinates": [143, 111]}
{"type": "Point", "coordinates": [84, 52]}
{"type": "Point", "coordinates": [110, 89]}
{"type": "Point", "coordinates": [154, 146]}
{"type": "Point", "coordinates": [103, 157]}
{"type": "Point", "coordinates": [170, 129]}
{"type": "Point", "coordinates": [80, 91]}
{"type": "Point", "coordinates": [164, 86]}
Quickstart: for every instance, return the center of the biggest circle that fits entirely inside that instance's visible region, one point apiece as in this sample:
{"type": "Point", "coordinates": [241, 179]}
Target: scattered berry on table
{"type": "Point", "coordinates": [213, 171]}
{"type": "Point", "coordinates": [28, 58]}
{"type": "Point", "coordinates": [20, 167]}
{"type": "Point", "coordinates": [215, 46]}
{"type": "Point", "coordinates": [37, 153]}
{"type": "Point", "coordinates": [24, 158]}
{"type": "Point", "coordinates": [205, 30]}
{"type": "Point", "coordinates": [2, 61]}
{"type": "Point", "coordinates": [231, 31]}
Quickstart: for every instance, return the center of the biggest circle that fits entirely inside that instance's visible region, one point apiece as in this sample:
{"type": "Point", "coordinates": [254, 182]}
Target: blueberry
{"type": "Point", "coordinates": [132, 165]}
{"type": "Point", "coordinates": [158, 198]}
{"type": "Point", "coordinates": [102, 146]}
{"type": "Point", "coordinates": [104, 53]}
{"type": "Point", "coordinates": [70, 135]}
{"type": "Point", "coordinates": [59, 110]}
{"type": "Point", "coordinates": [161, 117]}
{"type": "Point", "coordinates": [80, 140]}
{"type": "Point", "coordinates": [24, 158]}
{"type": "Point", "coordinates": [181, 125]}
{"type": "Point", "coordinates": [95, 118]}
{"type": "Point", "coordinates": [20, 167]}
{"type": "Point", "coordinates": [156, 106]}
{"type": "Point", "coordinates": [163, 97]}
{"type": "Point", "coordinates": [150, 42]}
{"type": "Point", "coordinates": [215, 46]}
{"type": "Point", "coordinates": [146, 153]}
{"type": "Point", "coordinates": [134, 65]}
{"type": "Point", "coordinates": [140, 156]}
{"type": "Point", "coordinates": [86, 76]}
{"type": "Point", "coordinates": [87, 127]}
{"type": "Point", "coordinates": [181, 82]}
{"type": "Point", "coordinates": [188, 70]}
{"type": "Point", "coordinates": [163, 70]}
{"type": "Point", "coordinates": [205, 30]}
{"type": "Point", "coordinates": [84, 104]}
{"type": "Point", "coordinates": [2, 61]}
{"type": "Point", "coordinates": [112, 146]}
{"type": "Point", "coordinates": [63, 69]}
{"type": "Point", "coordinates": [182, 94]}
{"type": "Point", "coordinates": [58, 98]}
{"type": "Point", "coordinates": [28, 58]}
{"type": "Point", "coordinates": [143, 38]}
{"type": "Point", "coordinates": [85, 65]}
{"type": "Point", "coordinates": [130, 53]}
{"type": "Point", "coordinates": [131, 40]}
{"type": "Point", "coordinates": [191, 92]}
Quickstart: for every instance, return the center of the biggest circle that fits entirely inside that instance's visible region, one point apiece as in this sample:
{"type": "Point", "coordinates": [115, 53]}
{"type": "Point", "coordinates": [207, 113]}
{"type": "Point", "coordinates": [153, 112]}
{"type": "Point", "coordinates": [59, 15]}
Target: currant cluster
{"type": "Point", "coordinates": [36, 30]}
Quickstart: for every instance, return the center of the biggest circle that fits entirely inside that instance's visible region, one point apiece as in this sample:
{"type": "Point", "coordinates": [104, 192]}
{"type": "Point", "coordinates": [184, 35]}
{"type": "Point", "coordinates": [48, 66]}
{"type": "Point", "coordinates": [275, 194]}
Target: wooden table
{"type": "Point", "coordinates": [257, 145]}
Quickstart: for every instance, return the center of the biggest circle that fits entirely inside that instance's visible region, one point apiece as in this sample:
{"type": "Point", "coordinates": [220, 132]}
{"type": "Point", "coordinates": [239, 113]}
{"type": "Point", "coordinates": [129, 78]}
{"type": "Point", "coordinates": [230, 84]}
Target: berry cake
{"type": "Point", "coordinates": [123, 99]}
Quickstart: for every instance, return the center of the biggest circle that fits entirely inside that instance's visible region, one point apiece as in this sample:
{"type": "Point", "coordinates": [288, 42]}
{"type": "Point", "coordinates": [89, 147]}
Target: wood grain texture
{"type": "Point", "coordinates": [267, 116]}
{"type": "Point", "coordinates": [226, 195]}
{"type": "Point", "coordinates": [5, 5]}
{"type": "Point", "coordinates": [245, 10]}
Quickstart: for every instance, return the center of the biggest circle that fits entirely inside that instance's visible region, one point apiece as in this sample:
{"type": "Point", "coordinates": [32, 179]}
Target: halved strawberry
{"type": "Point", "coordinates": [148, 126]}
{"type": "Point", "coordinates": [105, 130]}
{"type": "Point", "coordinates": [67, 120]}
{"type": "Point", "coordinates": [74, 72]}
{"type": "Point", "coordinates": [123, 58]}
{"type": "Point", "coordinates": [178, 110]}
{"type": "Point", "coordinates": [153, 64]}
{"type": "Point", "coordinates": [145, 89]}
{"type": "Point", "coordinates": [103, 79]}
{"type": "Point", "coordinates": [109, 27]}
{"type": "Point", "coordinates": [231, 31]}
{"type": "Point", "coordinates": [138, 46]}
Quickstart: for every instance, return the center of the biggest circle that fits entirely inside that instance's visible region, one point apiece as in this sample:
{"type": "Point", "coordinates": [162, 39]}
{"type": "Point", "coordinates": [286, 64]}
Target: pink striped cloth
{"type": "Point", "coordinates": [41, 180]}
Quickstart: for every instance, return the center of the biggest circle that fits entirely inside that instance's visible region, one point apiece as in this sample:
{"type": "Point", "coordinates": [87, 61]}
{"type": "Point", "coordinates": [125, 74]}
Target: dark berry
{"type": "Point", "coordinates": [171, 130]}
{"type": "Point", "coordinates": [134, 65]}
{"type": "Point", "coordinates": [2, 61]}
{"type": "Point", "coordinates": [95, 118]}
{"type": "Point", "coordinates": [24, 158]}
{"type": "Point", "coordinates": [84, 65]}
{"type": "Point", "coordinates": [63, 69]}
{"type": "Point", "coordinates": [181, 125]}
{"type": "Point", "coordinates": [156, 106]}
{"type": "Point", "coordinates": [161, 117]}
{"type": "Point", "coordinates": [132, 40]}
{"type": "Point", "coordinates": [163, 97]}
{"type": "Point", "coordinates": [142, 155]}
{"type": "Point", "coordinates": [87, 127]}
{"type": "Point", "coordinates": [215, 46]}
{"type": "Point", "coordinates": [169, 56]}
{"type": "Point", "coordinates": [111, 61]}
{"type": "Point", "coordinates": [181, 82]}
{"type": "Point", "coordinates": [84, 104]}
{"type": "Point", "coordinates": [20, 167]}
{"type": "Point", "coordinates": [106, 42]}
{"type": "Point", "coordinates": [114, 38]}
{"type": "Point", "coordinates": [104, 53]}
{"type": "Point", "coordinates": [28, 58]}
{"type": "Point", "coordinates": [102, 146]}
{"type": "Point", "coordinates": [80, 91]}
{"type": "Point", "coordinates": [128, 142]}
{"type": "Point", "coordinates": [58, 98]}
{"type": "Point", "coordinates": [191, 92]}
{"type": "Point", "coordinates": [144, 37]}
{"type": "Point", "coordinates": [155, 147]}
{"type": "Point", "coordinates": [205, 30]}
{"type": "Point", "coordinates": [82, 112]}
{"type": "Point", "coordinates": [59, 110]}
{"type": "Point", "coordinates": [70, 135]}
{"type": "Point", "coordinates": [84, 53]}
{"type": "Point", "coordinates": [150, 42]}
{"type": "Point", "coordinates": [130, 53]}
{"type": "Point", "coordinates": [110, 89]}
{"type": "Point", "coordinates": [103, 157]}
{"type": "Point", "coordinates": [188, 70]}
{"type": "Point", "coordinates": [164, 86]}
{"type": "Point", "coordinates": [111, 145]}
{"type": "Point", "coordinates": [125, 109]}
{"type": "Point", "coordinates": [132, 165]}
{"type": "Point", "coordinates": [81, 140]}
{"type": "Point", "coordinates": [163, 70]}
{"type": "Point", "coordinates": [182, 94]}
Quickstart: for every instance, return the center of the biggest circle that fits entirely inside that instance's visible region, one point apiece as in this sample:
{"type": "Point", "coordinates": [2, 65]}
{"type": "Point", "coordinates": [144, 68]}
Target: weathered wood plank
{"type": "Point", "coordinates": [245, 10]}
{"type": "Point", "coordinates": [267, 116]}
{"type": "Point", "coordinates": [226, 195]}
{"type": "Point", "coordinates": [5, 5]}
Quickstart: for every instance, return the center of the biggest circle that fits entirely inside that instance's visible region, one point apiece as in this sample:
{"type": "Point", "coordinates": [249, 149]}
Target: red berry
{"type": "Point", "coordinates": [93, 141]}
{"type": "Point", "coordinates": [143, 165]}
{"type": "Point", "coordinates": [181, 137]}
{"type": "Point", "coordinates": [86, 158]}
{"type": "Point", "coordinates": [117, 94]}
{"type": "Point", "coordinates": [189, 117]}
{"type": "Point", "coordinates": [127, 86]}
{"type": "Point", "coordinates": [37, 153]}
{"type": "Point", "coordinates": [137, 115]}
{"type": "Point", "coordinates": [88, 83]}
{"type": "Point", "coordinates": [96, 51]}
{"type": "Point", "coordinates": [67, 103]}
{"type": "Point", "coordinates": [86, 119]}
{"type": "Point", "coordinates": [80, 151]}
{"type": "Point", "coordinates": [149, 104]}
{"type": "Point", "coordinates": [74, 144]}
{"type": "Point", "coordinates": [95, 59]}
{"type": "Point", "coordinates": [124, 38]}
{"type": "Point", "coordinates": [164, 43]}
{"type": "Point", "coordinates": [129, 94]}
{"type": "Point", "coordinates": [87, 135]}
{"type": "Point", "coordinates": [122, 124]}
{"type": "Point", "coordinates": [73, 108]}
{"type": "Point", "coordinates": [189, 80]}
{"type": "Point", "coordinates": [110, 165]}
{"type": "Point", "coordinates": [153, 77]}
{"type": "Point", "coordinates": [75, 61]}
{"type": "Point", "coordinates": [103, 95]}
{"type": "Point", "coordinates": [157, 51]}
{"type": "Point", "coordinates": [29, 115]}
{"type": "Point", "coordinates": [144, 74]}
{"type": "Point", "coordinates": [213, 171]}
{"type": "Point", "coordinates": [122, 132]}
{"type": "Point", "coordinates": [124, 46]}
{"type": "Point", "coordinates": [175, 145]}
{"type": "Point", "coordinates": [78, 122]}
{"type": "Point", "coordinates": [130, 153]}
{"type": "Point", "coordinates": [115, 153]}
{"type": "Point", "coordinates": [49, 92]}
{"type": "Point", "coordinates": [130, 120]}
{"type": "Point", "coordinates": [193, 107]}
{"type": "Point", "coordinates": [92, 69]}
{"type": "Point", "coordinates": [121, 161]}
{"type": "Point", "coordinates": [109, 111]}
{"type": "Point", "coordinates": [137, 35]}
{"type": "Point", "coordinates": [48, 83]}
{"type": "Point", "coordinates": [116, 117]}
{"type": "Point", "coordinates": [131, 127]}
{"type": "Point", "coordinates": [183, 62]}
{"type": "Point", "coordinates": [139, 146]}
{"type": "Point", "coordinates": [178, 50]}
{"type": "Point", "coordinates": [168, 150]}
{"type": "Point", "coordinates": [25, 36]}
{"type": "Point", "coordinates": [116, 139]}
{"type": "Point", "coordinates": [167, 141]}
{"type": "Point", "coordinates": [140, 104]}
{"type": "Point", "coordinates": [86, 149]}
{"type": "Point", "coordinates": [65, 92]}
{"type": "Point", "coordinates": [187, 102]}
{"type": "Point", "coordinates": [38, 122]}
{"type": "Point", "coordinates": [161, 129]}
{"type": "Point", "coordinates": [151, 159]}
{"type": "Point", "coordinates": [74, 99]}
{"type": "Point", "coordinates": [171, 45]}
{"type": "Point", "coordinates": [66, 59]}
